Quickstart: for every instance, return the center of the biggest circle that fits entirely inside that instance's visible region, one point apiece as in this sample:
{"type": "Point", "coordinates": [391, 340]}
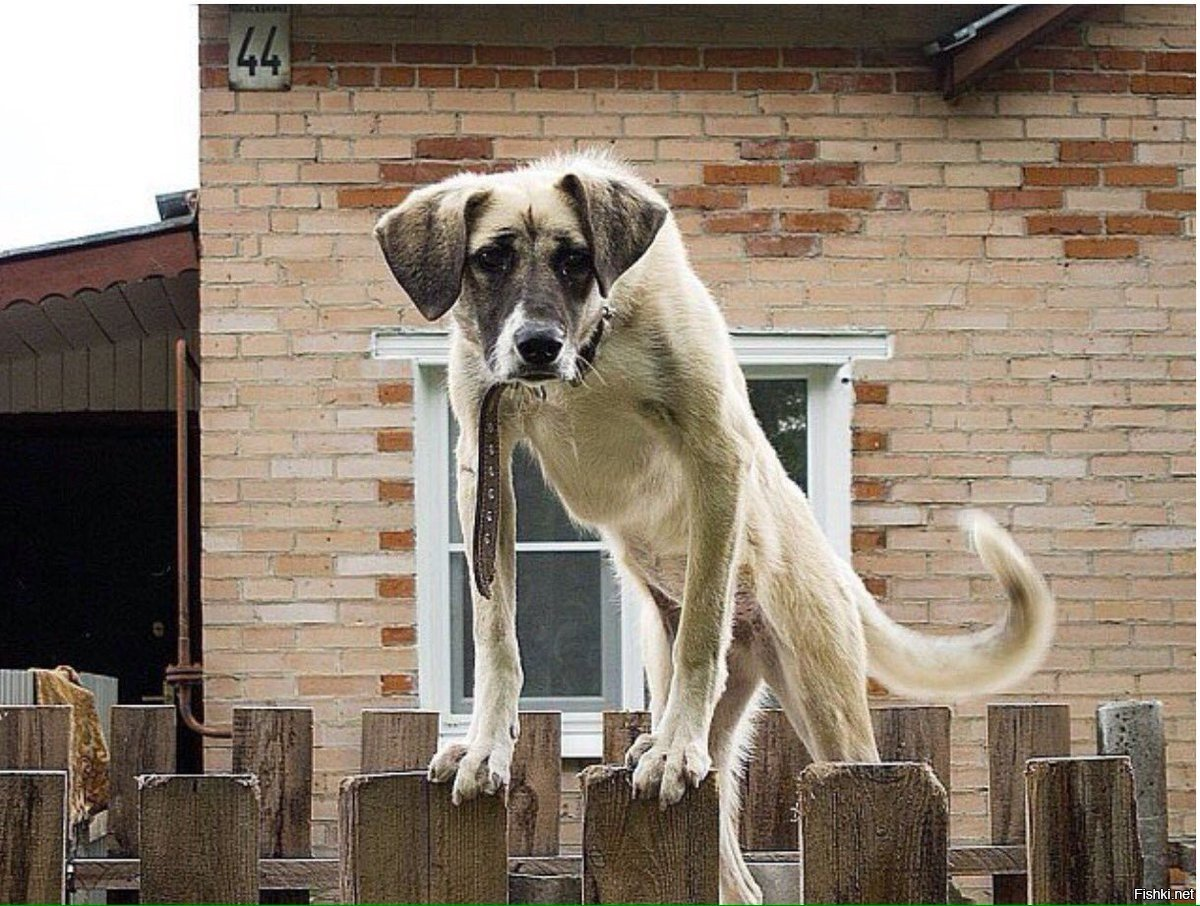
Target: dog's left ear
{"type": "Point", "coordinates": [619, 221]}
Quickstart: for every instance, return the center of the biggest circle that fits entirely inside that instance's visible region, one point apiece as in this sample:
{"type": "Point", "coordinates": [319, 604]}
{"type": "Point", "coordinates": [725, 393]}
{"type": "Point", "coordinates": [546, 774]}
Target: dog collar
{"type": "Point", "coordinates": [487, 472]}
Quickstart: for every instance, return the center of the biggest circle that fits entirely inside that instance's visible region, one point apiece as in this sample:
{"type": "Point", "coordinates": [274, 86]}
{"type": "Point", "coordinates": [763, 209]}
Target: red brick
{"type": "Point", "coordinates": [397, 636]}
{"type": "Point", "coordinates": [909, 80]}
{"type": "Point", "coordinates": [781, 246]}
{"type": "Point", "coordinates": [1068, 36]}
{"type": "Point", "coordinates": [397, 587]}
{"type": "Point", "coordinates": [395, 393]}
{"type": "Point", "coordinates": [1115, 83]}
{"type": "Point", "coordinates": [1101, 248]}
{"type": "Point", "coordinates": [397, 76]}
{"type": "Point", "coordinates": [666, 56]}
{"type": "Point", "coordinates": [819, 222]}
{"type": "Point", "coordinates": [372, 196]}
{"type": "Point", "coordinates": [436, 77]}
{"type": "Point", "coordinates": [1062, 224]}
{"type": "Point", "coordinates": [814, 57]}
{"type": "Point", "coordinates": [454, 147]}
{"type": "Point", "coordinates": [352, 53]}
{"type": "Point", "coordinates": [478, 77]}
{"type": "Point", "coordinates": [892, 57]}
{"type": "Point", "coordinates": [517, 78]}
{"type": "Point", "coordinates": [597, 78]}
{"type": "Point", "coordinates": [1009, 199]}
{"type": "Point", "coordinates": [1095, 152]}
{"type": "Point", "coordinates": [1055, 58]}
{"type": "Point", "coordinates": [706, 197]}
{"type": "Point", "coordinates": [316, 76]}
{"type": "Point", "coordinates": [214, 77]}
{"type": "Point", "coordinates": [869, 441]}
{"type": "Point", "coordinates": [396, 541]}
{"type": "Point", "coordinates": [1143, 224]}
{"type": "Point", "coordinates": [1163, 61]}
{"type": "Point", "coordinates": [742, 174]}
{"type": "Point", "coordinates": [863, 540]}
{"type": "Point", "coordinates": [1016, 80]}
{"type": "Point", "coordinates": [821, 174]}
{"type": "Point", "coordinates": [556, 79]}
{"type": "Point", "coordinates": [694, 80]}
{"type": "Point", "coordinates": [1163, 84]}
{"type": "Point", "coordinates": [216, 53]}
{"type": "Point", "coordinates": [505, 55]}
{"type": "Point", "coordinates": [1171, 201]}
{"type": "Point", "coordinates": [396, 441]}
{"type": "Point", "coordinates": [635, 79]}
{"type": "Point", "coordinates": [740, 222]}
{"type": "Point", "coordinates": [869, 489]}
{"type": "Point", "coordinates": [433, 53]}
{"type": "Point", "coordinates": [741, 57]}
{"type": "Point", "coordinates": [851, 82]}
{"type": "Point", "coordinates": [868, 199]}
{"type": "Point", "coordinates": [597, 55]}
{"type": "Point", "coordinates": [395, 491]}
{"type": "Point", "coordinates": [774, 81]}
{"type": "Point", "coordinates": [420, 171]}
{"type": "Point", "coordinates": [1140, 176]}
{"type": "Point", "coordinates": [777, 149]}
{"type": "Point", "coordinates": [397, 684]}
{"type": "Point", "coordinates": [1060, 176]}
{"type": "Point", "coordinates": [1120, 59]}
{"type": "Point", "coordinates": [870, 392]}
{"type": "Point", "coordinates": [356, 76]}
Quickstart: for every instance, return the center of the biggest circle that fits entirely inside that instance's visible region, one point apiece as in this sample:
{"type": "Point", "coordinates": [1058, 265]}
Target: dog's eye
{"type": "Point", "coordinates": [576, 264]}
{"type": "Point", "coordinates": [493, 258]}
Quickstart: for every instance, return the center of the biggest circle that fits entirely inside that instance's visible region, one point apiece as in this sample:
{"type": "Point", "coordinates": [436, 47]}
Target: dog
{"type": "Point", "coordinates": [569, 286]}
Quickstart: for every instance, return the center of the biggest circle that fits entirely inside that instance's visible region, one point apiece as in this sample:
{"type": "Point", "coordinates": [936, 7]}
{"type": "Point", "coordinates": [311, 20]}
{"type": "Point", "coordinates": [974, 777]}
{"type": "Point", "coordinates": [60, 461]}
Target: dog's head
{"type": "Point", "coordinates": [525, 258]}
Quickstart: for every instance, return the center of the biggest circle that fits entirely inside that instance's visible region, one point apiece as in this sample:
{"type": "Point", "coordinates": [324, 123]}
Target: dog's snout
{"type": "Point", "coordinates": [539, 344]}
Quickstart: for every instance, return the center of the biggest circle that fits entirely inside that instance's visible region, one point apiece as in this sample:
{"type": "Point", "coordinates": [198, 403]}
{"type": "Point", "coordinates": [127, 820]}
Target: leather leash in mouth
{"type": "Point", "coordinates": [487, 472]}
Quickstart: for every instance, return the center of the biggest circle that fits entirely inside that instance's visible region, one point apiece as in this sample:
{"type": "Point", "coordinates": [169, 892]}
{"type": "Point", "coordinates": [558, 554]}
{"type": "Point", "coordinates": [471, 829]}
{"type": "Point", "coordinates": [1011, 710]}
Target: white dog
{"type": "Point", "coordinates": [570, 287]}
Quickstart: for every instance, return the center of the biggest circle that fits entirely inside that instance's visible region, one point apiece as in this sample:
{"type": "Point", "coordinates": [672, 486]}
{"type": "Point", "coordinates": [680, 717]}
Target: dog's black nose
{"type": "Point", "coordinates": [538, 344]}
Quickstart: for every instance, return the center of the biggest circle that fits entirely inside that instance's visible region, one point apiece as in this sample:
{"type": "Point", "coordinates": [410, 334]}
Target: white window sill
{"type": "Point", "coordinates": [582, 734]}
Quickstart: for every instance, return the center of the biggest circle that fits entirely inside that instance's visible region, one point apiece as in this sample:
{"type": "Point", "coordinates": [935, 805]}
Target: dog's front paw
{"type": "Point", "coordinates": [665, 769]}
{"type": "Point", "coordinates": [475, 769]}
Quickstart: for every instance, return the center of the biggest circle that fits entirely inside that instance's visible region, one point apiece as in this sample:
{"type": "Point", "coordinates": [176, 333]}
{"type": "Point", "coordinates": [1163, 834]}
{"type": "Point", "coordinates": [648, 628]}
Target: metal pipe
{"type": "Point", "coordinates": [967, 32]}
{"type": "Point", "coordinates": [183, 676]}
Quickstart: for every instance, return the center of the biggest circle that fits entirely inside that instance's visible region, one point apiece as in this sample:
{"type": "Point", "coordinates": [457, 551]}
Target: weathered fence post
{"type": "Point", "coordinates": [915, 733]}
{"type": "Point", "coordinates": [35, 737]}
{"type": "Point", "coordinates": [398, 740]}
{"type": "Point", "coordinates": [636, 852]}
{"type": "Point", "coordinates": [403, 841]}
{"type": "Point", "coordinates": [1083, 842]}
{"type": "Point", "coordinates": [33, 836]}
{"type": "Point", "coordinates": [873, 833]}
{"type": "Point", "coordinates": [1016, 733]}
{"type": "Point", "coordinates": [199, 838]}
{"type": "Point", "coordinates": [276, 745]}
{"type": "Point", "coordinates": [535, 785]}
{"type": "Point", "coordinates": [768, 820]}
{"type": "Point", "coordinates": [143, 742]}
{"type": "Point", "coordinates": [1136, 729]}
{"type": "Point", "coordinates": [621, 730]}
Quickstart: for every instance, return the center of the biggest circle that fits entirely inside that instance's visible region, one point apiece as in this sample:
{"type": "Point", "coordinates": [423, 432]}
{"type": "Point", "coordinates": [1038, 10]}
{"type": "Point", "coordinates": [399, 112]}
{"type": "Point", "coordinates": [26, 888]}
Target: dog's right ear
{"type": "Point", "coordinates": [424, 241]}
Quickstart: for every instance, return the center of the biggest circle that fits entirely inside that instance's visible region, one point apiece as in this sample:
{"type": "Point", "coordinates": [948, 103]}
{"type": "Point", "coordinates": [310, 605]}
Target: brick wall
{"type": "Point", "coordinates": [1030, 246]}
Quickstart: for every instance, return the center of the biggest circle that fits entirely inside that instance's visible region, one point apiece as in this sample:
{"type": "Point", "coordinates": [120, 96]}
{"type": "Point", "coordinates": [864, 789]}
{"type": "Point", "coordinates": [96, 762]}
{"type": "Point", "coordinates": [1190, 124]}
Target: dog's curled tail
{"type": "Point", "coordinates": [955, 666]}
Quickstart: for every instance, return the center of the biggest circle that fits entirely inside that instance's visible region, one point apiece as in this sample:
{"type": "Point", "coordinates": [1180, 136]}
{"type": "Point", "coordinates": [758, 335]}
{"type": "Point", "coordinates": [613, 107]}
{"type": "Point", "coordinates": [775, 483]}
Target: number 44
{"type": "Point", "coordinates": [250, 61]}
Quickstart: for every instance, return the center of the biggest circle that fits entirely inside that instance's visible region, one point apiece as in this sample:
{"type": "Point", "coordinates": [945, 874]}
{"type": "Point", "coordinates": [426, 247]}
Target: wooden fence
{"type": "Point", "coordinates": [861, 832]}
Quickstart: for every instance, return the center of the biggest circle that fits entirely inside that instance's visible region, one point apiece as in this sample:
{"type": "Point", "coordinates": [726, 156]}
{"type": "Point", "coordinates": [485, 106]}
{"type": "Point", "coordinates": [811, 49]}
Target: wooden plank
{"type": "Point", "coordinates": [33, 836]}
{"type": "Point", "coordinates": [987, 860]}
{"type": "Point", "coordinates": [199, 838]}
{"type": "Point", "coordinates": [102, 381]}
{"type": "Point", "coordinates": [128, 374]}
{"type": "Point", "coordinates": [915, 733]}
{"type": "Point", "coordinates": [634, 851]}
{"type": "Point", "coordinates": [75, 380]}
{"type": "Point", "coordinates": [873, 833]}
{"type": "Point", "coordinates": [544, 888]}
{"type": "Point", "coordinates": [143, 742]}
{"type": "Point", "coordinates": [1015, 733]}
{"type": "Point", "coordinates": [382, 827]}
{"type": "Point", "coordinates": [275, 745]}
{"type": "Point", "coordinates": [768, 811]}
{"type": "Point", "coordinates": [49, 383]}
{"type": "Point", "coordinates": [468, 850]}
{"type": "Point", "coordinates": [5, 387]}
{"type": "Point", "coordinates": [621, 730]}
{"type": "Point", "coordinates": [398, 740]}
{"type": "Point", "coordinates": [1136, 729]}
{"type": "Point", "coordinates": [156, 365]}
{"type": "Point", "coordinates": [1083, 841]}
{"type": "Point", "coordinates": [23, 384]}
{"type": "Point", "coordinates": [535, 785]}
{"type": "Point", "coordinates": [35, 737]}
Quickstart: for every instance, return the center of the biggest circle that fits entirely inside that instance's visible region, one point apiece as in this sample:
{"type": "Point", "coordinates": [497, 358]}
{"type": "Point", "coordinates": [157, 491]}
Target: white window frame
{"type": "Point", "coordinates": [823, 358]}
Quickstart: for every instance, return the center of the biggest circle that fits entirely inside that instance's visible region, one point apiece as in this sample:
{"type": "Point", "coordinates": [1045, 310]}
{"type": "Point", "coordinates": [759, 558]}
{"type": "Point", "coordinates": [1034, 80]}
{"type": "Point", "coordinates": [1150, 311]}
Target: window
{"type": "Point", "coordinates": [579, 644]}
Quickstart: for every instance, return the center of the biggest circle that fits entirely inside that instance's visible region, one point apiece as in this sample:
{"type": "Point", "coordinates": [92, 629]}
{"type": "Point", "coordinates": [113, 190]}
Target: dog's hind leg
{"type": "Point", "coordinates": [728, 736]}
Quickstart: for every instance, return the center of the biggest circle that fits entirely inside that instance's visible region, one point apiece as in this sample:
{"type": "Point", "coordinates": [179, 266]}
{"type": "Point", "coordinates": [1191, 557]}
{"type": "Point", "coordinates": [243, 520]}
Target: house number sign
{"type": "Point", "coordinates": [260, 48]}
